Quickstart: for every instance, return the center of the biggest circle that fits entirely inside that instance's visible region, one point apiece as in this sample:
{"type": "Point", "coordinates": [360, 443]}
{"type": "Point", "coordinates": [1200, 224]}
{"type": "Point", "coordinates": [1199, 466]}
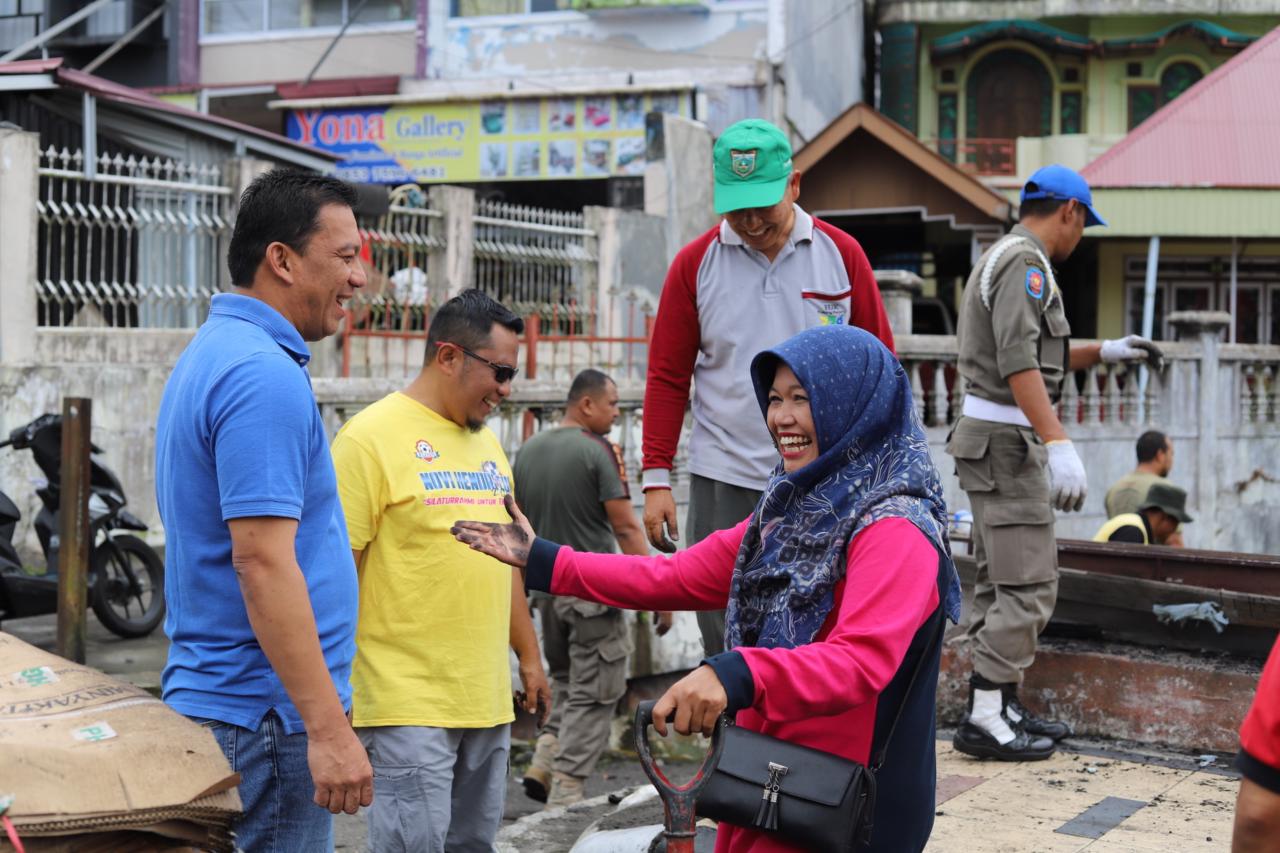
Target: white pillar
{"type": "Point", "coordinates": [241, 173]}
{"type": "Point", "coordinates": [19, 184]}
{"type": "Point", "coordinates": [451, 270]}
{"type": "Point", "coordinates": [897, 289]}
{"type": "Point", "coordinates": [1207, 326]}
{"type": "Point", "coordinates": [604, 280]}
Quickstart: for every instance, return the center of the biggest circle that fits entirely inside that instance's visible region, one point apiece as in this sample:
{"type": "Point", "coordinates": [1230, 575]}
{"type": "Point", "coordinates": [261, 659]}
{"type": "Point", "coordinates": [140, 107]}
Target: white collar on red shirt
{"type": "Point", "coordinates": [801, 231]}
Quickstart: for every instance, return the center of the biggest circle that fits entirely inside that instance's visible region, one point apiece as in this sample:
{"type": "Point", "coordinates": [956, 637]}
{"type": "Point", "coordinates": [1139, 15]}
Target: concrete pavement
{"type": "Point", "coordinates": [1093, 795]}
{"type": "Point", "coordinates": [1122, 802]}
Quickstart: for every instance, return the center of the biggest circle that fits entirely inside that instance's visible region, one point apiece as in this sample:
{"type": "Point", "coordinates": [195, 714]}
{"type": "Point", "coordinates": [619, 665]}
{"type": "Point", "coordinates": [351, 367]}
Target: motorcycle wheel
{"type": "Point", "coordinates": [122, 609]}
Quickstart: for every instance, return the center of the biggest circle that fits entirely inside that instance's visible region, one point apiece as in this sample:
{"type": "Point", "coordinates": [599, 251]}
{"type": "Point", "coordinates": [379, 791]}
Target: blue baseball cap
{"type": "Point", "coordinates": [1059, 182]}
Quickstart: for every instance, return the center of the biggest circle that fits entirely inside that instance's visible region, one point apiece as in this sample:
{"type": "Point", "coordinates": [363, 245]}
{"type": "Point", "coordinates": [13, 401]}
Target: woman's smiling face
{"type": "Point", "coordinates": [790, 421]}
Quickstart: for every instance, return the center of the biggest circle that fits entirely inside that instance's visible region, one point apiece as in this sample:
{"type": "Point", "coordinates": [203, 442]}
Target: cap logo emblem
{"type": "Point", "coordinates": [743, 163]}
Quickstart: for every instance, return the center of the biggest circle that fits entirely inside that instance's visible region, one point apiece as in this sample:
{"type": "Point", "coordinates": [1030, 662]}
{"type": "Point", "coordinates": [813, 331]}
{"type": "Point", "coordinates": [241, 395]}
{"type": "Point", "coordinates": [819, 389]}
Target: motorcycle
{"type": "Point", "coordinates": [126, 575]}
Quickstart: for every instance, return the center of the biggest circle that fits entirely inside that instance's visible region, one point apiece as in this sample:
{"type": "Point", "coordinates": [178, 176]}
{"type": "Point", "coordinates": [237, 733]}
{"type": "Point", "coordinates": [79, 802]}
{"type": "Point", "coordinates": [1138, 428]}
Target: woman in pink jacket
{"type": "Point", "coordinates": [835, 584]}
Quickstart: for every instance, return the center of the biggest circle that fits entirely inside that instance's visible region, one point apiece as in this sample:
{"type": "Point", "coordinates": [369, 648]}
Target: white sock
{"type": "Point", "coordinates": [1013, 714]}
{"type": "Point", "coordinates": [987, 705]}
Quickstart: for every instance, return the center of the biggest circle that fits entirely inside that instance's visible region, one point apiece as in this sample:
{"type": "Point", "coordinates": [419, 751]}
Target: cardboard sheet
{"type": "Point", "coordinates": [81, 751]}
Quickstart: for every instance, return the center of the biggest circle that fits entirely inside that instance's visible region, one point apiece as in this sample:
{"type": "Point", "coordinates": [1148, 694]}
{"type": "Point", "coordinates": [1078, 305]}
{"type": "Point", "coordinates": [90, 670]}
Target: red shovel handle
{"type": "Point", "coordinates": [678, 801]}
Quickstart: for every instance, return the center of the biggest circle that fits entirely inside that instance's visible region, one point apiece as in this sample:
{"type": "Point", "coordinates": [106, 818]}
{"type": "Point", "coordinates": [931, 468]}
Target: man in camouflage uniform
{"type": "Point", "coordinates": [1013, 457]}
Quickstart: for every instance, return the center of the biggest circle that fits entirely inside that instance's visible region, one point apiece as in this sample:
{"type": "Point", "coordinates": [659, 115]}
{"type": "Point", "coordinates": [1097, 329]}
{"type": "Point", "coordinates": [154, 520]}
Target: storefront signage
{"type": "Point", "coordinates": [514, 140]}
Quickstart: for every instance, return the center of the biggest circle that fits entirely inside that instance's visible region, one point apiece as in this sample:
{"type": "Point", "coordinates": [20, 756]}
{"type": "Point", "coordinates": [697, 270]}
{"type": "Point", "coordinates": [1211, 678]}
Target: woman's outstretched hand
{"type": "Point", "coordinates": [697, 700]}
{"type": "Point", "coordinates": [509, 543]}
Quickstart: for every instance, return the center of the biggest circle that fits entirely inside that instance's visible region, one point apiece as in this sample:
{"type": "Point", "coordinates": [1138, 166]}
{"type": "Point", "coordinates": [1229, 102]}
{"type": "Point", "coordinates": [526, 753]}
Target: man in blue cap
{"type": "Point", "coordinates": [766, 272]}
{"type": "Point", "coordinates": [1013, 457]}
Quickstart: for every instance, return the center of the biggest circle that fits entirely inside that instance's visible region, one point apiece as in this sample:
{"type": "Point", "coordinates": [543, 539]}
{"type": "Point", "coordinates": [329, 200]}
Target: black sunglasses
{"type": "Point", "coordinates": [502, 373]}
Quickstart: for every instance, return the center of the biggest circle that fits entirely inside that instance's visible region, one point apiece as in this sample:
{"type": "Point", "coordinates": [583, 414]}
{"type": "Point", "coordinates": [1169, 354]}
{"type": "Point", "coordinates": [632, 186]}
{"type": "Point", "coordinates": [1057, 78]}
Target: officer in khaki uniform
{"type": "Point", "coordinates": [1013, 458]}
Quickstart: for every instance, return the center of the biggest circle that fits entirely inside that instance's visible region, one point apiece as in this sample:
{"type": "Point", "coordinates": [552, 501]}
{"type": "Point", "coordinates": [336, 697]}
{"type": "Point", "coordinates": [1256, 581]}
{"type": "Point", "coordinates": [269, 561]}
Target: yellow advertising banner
{"type": "Point", "coordinates": [497, 140]}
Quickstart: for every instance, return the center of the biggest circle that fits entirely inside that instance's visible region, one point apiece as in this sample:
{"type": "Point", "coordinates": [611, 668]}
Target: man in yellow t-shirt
{"type": "Point", "coordinates": [431, 680]}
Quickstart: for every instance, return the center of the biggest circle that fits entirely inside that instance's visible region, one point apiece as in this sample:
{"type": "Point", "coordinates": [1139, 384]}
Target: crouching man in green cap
{"type": "Point", "coordinates": [1157, 518]}
{"type": "Point", "coordinates": [766, 272]}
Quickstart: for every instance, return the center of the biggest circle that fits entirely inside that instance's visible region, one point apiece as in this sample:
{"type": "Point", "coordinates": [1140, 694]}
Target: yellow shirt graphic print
{"type": "Point", "coordinates": [434, 623]}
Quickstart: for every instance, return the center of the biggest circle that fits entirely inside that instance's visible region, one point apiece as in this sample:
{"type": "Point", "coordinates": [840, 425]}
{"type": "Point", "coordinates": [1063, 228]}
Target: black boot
{"type": "Point", "coordinates": [1023, 718]}
{"type": "Point", "coordinates": [977, 735]}
{"type": "Point", "coordinates": [973, 740]}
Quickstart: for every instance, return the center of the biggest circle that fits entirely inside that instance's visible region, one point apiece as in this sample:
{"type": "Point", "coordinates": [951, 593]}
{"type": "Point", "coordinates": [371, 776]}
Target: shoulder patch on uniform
{"type": "Point", "coordinates": [1035, 283]}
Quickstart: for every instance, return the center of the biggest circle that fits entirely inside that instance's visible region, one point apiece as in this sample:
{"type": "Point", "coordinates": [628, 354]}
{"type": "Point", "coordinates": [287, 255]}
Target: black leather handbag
{"type": "Point", "coordinates": [805, 796]}
{"type": "Point", "coordinates": [808, 797]}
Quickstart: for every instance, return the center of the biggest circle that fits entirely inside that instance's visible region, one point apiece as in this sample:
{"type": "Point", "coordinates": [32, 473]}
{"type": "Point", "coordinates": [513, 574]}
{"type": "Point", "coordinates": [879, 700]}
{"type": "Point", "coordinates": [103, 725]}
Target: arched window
{"type": "Point", "coordinates": [1177, 78]}
{"type": "Point", "coordinates": [1009, 94]}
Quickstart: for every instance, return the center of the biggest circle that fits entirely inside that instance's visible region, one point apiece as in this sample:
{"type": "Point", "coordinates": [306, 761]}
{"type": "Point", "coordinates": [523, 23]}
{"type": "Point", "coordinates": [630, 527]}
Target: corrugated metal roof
{"type": "Point", "coordinates": [279, 147]}
{"type": "Point", "coordinates": [1222, 132]}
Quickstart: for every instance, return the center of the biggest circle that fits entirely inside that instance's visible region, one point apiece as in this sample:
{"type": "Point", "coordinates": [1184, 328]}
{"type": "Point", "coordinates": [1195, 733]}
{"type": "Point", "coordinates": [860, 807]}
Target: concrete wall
{"type": "Point", "coordinates": [818, 91]}
{"type": "Point", "coordinates": [123, 371]}
{"type": "Point", "coordinates": [719, 43]}
{"type": "Point", "coordinates": [252, 60]}
{"type": "Point", "coordinates": [679, 186]}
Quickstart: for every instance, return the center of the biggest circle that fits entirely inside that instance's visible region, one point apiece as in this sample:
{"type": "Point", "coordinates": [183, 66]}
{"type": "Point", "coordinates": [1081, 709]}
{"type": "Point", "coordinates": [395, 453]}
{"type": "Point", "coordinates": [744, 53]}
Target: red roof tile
{"type": "Point", "coordinates": [1222, 132]}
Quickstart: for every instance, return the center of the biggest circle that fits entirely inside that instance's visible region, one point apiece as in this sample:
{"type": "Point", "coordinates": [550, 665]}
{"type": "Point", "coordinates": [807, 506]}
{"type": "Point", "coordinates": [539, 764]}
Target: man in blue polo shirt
{"type": "Point", "coordinates": [260, 587]}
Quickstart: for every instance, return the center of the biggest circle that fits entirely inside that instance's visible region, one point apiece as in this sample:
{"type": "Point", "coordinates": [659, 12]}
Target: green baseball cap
{"type": "Point", "coordinates": [752, 161]}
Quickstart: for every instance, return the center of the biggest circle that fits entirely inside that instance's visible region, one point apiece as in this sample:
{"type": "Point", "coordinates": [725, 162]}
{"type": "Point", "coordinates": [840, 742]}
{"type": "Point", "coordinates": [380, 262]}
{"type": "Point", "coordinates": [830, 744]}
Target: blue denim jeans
{"type": "Point", "coordinates": [275, 788]}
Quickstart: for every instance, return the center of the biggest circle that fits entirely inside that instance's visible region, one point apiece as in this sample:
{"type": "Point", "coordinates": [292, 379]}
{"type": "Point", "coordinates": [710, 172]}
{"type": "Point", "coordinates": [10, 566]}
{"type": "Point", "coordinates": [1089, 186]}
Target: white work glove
{"type": "Point", "coordinates": [1067, 482]}
{"type": "Point", "coordinates": [1133, 348]}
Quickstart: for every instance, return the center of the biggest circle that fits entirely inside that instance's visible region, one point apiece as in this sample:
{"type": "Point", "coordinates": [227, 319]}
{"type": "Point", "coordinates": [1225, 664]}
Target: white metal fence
{"type": "Point", "coordinates": [128, 241]}
{"type": "Point", "coordinates": [538, 261]}
{"type": "Point", "coordinates": [401, 243]}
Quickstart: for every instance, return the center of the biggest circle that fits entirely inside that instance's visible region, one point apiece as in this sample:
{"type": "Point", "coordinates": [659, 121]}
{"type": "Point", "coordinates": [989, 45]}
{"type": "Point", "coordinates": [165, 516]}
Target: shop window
{"type": "Point", "coordinates": [1204, 283]}
{"type": "Point", "coordinates": [1248, 315]}
{"type": "Point", "coordinates": [19, 21]}
{"type": "Point", "coordinates": [302, 14]}
{"type": "Point", "coordinates": [948, 111]}
{"type": "Point", "coordinates": [1135, 297]}
{"type": "Point", "coordinates": [1273, 327]}
{"type": "Point", "coordinates": [1142, 103]}
{"type": "Point", "coordinates": [1071, 121]}
{"type": "Point", "coordinates": [477, 8]}
{"type": "Point", "coordinates": [1192, 297]}
{"type": "Point", "coordinates": [234, 17]}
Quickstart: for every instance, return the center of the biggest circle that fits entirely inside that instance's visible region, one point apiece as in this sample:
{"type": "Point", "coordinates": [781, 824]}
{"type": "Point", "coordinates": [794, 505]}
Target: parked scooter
{"type": "Point", "coordinates": [126, 575]}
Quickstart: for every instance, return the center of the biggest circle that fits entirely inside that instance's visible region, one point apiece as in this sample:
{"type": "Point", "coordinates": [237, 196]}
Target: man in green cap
{"type": "Point", "coordinates": [766, 272]}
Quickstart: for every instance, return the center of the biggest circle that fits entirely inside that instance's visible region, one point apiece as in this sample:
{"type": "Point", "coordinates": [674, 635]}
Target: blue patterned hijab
{"type": "Point", "coordinates": [873, 463]}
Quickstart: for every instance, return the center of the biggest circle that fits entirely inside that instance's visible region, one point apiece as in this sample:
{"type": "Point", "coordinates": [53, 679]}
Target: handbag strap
{"type": "Point", "coordinates": [937, 631]}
